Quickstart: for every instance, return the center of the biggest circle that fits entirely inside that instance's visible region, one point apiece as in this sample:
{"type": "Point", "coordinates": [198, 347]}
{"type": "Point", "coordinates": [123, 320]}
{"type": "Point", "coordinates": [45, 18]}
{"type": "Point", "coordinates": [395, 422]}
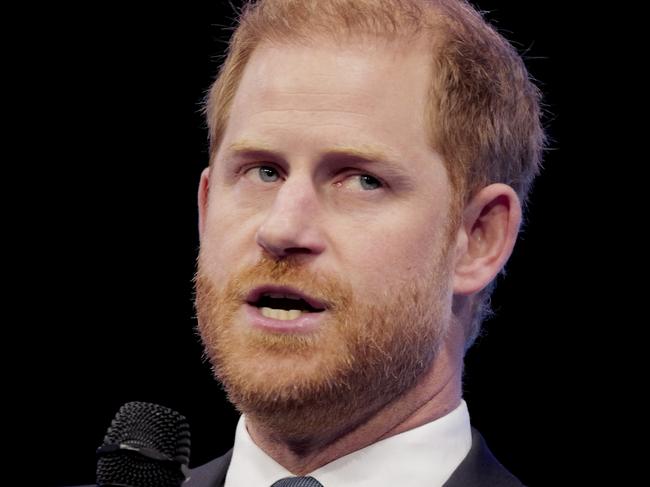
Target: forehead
{"type": "Point", "coordinates": [364, 70]}
{"type": "Point", "coordinates": [370, 88]}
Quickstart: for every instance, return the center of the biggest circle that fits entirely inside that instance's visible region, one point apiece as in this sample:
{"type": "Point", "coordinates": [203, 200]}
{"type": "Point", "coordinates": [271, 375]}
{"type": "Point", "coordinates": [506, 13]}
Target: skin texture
{"type": "Point", "coordinates": [372, 242]}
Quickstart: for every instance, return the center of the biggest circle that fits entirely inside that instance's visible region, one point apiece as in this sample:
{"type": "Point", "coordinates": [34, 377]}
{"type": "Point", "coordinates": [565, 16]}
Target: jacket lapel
{"type": "Point", "coordinates": [478, 469]}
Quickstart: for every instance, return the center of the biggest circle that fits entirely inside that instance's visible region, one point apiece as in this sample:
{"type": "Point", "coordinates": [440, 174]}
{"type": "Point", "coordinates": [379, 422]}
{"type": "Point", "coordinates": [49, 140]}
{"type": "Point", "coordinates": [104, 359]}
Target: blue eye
{"type": "Point", "coordinates": [266, 171]}
{"type": "Point", "coordinates": [373, 181]}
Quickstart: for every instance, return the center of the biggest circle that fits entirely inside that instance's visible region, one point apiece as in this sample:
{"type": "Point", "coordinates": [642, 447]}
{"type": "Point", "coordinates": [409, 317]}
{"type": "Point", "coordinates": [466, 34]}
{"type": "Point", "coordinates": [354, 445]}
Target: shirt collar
{"type": "Point", "coordinates": [422, 456]}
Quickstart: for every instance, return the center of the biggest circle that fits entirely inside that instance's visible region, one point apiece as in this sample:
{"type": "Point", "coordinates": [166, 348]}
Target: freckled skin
{"type": "Point", "coordinates": [303, 101]}
{"type": "Point", "coordinates": [384, 246]}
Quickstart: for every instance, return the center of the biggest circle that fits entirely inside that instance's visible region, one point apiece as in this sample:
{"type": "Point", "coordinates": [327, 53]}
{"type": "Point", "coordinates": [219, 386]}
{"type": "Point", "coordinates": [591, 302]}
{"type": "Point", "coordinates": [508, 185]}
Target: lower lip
{"type": "Point", "coordinates": [305, 323]}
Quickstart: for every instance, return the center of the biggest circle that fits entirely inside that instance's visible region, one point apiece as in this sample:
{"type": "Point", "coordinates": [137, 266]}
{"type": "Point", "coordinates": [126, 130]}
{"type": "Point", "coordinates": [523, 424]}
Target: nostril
{"type": "Point", "coordinates": [297, 240]}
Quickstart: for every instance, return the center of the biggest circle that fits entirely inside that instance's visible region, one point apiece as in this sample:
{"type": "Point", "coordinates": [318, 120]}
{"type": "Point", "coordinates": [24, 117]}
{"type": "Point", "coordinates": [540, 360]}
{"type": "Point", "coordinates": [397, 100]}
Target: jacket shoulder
{"type": "Point", "coordinates": [480, 468]}
{"type": "Point", "coordinates": [211, 474]}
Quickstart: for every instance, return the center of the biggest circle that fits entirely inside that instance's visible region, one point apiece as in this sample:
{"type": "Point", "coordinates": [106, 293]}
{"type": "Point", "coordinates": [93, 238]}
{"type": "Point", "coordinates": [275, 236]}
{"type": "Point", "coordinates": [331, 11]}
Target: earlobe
{"type": "Point", "coordinates": [486, 238]}
{"type": "Point", "coordinates": [203, 197]}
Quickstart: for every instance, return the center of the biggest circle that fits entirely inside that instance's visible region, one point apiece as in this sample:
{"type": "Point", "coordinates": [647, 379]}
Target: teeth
{"type": "Point", "coordinates": [281, 314]}
{"type": "Point", "coordinates": [287, 296]}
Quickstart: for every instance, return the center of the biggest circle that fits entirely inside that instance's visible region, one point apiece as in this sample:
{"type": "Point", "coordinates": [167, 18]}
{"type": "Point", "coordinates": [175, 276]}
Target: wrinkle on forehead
{"type": "Point", "coordinates": [304, 99]}
{"type": "Point", "coordinates": [322, 62]}
{"type": "Point", "coordinates": [347, 80]}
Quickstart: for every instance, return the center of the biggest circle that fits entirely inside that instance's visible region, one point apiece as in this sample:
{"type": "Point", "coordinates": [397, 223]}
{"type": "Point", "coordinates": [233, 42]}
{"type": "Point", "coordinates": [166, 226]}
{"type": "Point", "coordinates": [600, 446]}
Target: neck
{"type": "Point", "coordinates": [437, 393]}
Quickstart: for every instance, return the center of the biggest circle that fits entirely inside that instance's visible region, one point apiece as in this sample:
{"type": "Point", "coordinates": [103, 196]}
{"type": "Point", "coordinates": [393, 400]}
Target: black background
{"type": "Point", "coordinates": [115, 149]}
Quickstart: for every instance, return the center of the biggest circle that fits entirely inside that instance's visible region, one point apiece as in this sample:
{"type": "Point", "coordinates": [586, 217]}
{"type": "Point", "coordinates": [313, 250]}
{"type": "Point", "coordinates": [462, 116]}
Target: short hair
{"type": "Point", "coordinates": [483, 108]}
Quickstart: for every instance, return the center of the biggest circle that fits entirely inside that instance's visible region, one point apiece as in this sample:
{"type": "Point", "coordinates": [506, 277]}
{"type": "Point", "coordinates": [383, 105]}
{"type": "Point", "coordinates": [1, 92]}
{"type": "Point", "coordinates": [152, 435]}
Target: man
{"type": "Point", "coordinates": [370, 161]}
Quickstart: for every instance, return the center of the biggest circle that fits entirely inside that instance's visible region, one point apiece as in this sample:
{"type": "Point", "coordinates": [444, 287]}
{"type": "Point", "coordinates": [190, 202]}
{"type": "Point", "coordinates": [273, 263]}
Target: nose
{"type": "Point", "coordinates": [292, 224]}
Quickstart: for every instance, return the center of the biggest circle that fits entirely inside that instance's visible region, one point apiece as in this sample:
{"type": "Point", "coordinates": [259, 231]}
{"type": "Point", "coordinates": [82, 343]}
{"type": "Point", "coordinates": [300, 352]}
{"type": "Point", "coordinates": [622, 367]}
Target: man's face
{"type": "Point", "coordinates": [291, 203]}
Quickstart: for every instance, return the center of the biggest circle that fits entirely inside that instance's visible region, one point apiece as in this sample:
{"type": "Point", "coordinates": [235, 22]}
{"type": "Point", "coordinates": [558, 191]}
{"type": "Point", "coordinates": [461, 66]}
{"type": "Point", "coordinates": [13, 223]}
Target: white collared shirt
{"type": "Point", "coordinates": [423, 456]}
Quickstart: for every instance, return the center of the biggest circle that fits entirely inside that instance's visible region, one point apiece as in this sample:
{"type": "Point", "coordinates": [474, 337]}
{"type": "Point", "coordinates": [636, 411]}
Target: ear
{"type": "Point", "coordinates": [204, 190]}
{"type": "Point", "coordinates": [486, 238]}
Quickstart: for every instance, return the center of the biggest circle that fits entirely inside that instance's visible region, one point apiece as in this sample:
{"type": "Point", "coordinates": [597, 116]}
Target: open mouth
{"type": "Point", "coordinates": [283, 306]}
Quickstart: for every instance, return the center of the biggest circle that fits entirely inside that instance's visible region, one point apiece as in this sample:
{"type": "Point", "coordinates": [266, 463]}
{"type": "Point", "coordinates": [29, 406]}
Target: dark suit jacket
{"type": "Point", "coordinates": [479, 469]}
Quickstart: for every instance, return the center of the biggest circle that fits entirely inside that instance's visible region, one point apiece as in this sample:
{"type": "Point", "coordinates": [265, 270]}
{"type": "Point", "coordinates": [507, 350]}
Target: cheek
{"type": "Point", "coordinates": [227, 216]}
{"type": "Point", "coordinates": [222, 239]}
{"type": "Point", "coordinates": [391, 258]}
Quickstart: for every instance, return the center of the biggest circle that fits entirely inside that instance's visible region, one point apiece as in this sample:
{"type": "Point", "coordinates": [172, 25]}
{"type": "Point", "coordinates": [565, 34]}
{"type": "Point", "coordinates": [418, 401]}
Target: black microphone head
{"type": "Point", "coordinates": [147, 445]}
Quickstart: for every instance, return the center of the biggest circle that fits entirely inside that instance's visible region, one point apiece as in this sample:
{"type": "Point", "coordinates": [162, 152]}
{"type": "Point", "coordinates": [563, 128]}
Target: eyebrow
{"type": "Point", "coordinates": [398, 175]}
{"type": "Point", "coordinates": [364, 153]}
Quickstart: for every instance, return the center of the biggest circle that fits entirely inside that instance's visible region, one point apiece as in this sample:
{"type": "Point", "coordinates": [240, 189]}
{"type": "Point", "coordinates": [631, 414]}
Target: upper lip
{"type": "Point", "coordinates": [257, 292]}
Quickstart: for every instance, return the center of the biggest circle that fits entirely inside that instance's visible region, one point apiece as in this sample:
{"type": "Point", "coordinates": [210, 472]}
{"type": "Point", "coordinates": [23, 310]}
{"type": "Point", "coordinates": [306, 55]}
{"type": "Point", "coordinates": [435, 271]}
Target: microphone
{"type": "Point", "coordinates": [147, 445]}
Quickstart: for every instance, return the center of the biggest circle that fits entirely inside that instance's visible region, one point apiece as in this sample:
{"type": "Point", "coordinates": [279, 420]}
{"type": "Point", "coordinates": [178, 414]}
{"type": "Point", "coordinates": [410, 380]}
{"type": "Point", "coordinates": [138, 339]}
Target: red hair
{"type": "Point", "coordinates": [483, 110]}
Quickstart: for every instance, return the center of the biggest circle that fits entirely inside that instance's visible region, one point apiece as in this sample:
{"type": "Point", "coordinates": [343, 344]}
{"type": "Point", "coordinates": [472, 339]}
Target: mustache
{"type": "Point", "coordinates": [291, 271]}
